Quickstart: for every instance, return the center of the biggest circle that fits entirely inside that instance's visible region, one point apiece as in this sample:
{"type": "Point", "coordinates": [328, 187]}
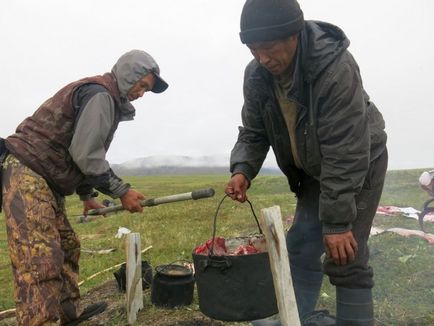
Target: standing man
{"type": "Point", "coordinates": [59, 150]}
{"type": "Point", "coordinates": [303, 96]}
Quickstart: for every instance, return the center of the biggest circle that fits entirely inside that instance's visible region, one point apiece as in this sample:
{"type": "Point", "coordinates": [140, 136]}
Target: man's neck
{"type": "Point", "coordinates": [286, 76]}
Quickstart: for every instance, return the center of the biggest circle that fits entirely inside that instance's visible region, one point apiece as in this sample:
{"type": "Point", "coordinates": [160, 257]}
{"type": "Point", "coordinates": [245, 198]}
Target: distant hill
{"type": "Point", "coordinates": [180, 165]}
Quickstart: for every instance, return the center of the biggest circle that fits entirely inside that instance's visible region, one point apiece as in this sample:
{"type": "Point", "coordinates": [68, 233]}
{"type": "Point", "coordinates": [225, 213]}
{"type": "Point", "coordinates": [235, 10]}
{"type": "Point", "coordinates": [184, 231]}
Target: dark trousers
{"type": "Point", "coordinates": [305, 239]}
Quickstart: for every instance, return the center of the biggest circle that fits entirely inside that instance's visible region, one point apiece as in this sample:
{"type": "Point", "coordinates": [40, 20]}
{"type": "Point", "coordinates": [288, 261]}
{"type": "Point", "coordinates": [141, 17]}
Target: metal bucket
{"type": "Point", "coordinates": [235, 288]}
{"type": "Point", "coordinates": [172, 286]}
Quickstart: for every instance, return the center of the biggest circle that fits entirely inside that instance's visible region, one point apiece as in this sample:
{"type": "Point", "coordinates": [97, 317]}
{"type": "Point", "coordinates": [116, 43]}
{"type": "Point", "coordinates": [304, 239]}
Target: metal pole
{"type": "Point", "coordinates": [197, 194]}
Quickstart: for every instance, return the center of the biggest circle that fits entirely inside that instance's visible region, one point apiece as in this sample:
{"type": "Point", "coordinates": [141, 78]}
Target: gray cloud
{"type": "Point", "coordinates": [48, 43]}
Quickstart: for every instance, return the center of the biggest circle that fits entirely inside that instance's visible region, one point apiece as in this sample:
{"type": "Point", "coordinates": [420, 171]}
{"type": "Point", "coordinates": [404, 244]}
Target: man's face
{"type": "Point", "coordinates": [141, 87]}
{"type": "Point", "coordinates": [275, 56]}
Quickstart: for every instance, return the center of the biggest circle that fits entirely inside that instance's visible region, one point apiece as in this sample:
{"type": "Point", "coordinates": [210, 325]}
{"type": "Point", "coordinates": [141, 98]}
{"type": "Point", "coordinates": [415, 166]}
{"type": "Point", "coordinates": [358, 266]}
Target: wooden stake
{"type": "Point", "coordinates": [271, 223]}
{"type": "Point", "coordinates": [134, 277]}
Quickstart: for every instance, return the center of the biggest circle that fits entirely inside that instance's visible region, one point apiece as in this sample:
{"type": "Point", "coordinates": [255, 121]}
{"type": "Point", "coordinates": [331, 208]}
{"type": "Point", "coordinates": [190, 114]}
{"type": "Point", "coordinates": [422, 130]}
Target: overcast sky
{"type": "Point", "coordinates": [49, 43]}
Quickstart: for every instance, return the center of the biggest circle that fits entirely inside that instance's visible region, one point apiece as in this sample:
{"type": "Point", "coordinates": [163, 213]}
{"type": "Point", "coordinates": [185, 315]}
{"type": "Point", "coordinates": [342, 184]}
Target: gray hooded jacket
{"type": "Point", "coordinates": [96, 107]}
{"type": "Point", "coordinates": [67, 138]}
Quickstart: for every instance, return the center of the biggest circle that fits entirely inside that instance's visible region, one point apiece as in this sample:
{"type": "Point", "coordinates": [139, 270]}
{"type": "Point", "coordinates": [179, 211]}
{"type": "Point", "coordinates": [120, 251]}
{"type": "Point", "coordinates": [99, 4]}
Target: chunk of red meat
{"type": "Point", "coordinates": [245, 250]}
{"type": "Point", "coordinates": [219, 248]}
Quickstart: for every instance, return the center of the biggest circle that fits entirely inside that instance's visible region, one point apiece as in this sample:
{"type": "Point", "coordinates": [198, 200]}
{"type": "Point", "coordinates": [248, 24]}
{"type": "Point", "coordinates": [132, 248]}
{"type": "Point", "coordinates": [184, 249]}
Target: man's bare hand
{"type": "Point", "coordinates": [131, 201]}
{"type": "Point", "coordinates": [237, 188]}
{"type": "Point", "coordinates": [342, 247]}
{"type": "Point", "coordinates": [90, 204]}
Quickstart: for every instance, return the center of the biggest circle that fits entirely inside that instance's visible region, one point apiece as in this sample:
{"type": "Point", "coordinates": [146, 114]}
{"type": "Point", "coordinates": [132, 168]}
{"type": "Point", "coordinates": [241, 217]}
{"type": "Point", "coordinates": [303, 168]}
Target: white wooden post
{"type": "Point", "coordinates": [271, 223]}
{"type": "Point", "coordinates": [134, 294]}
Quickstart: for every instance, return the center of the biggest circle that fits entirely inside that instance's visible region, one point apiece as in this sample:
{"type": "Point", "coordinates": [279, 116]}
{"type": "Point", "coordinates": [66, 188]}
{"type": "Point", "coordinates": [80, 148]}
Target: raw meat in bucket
{"type": "Point", "coordinates": [234, 246]}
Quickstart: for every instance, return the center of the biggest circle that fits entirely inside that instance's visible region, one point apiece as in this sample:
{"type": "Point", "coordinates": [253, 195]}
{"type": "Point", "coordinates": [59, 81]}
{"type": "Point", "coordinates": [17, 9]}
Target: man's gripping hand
{"type": "Point", "coordinates": [90, 204]}
{"type": "Point", "coordinates": [237, 188]}
{"type": "Point", "coordinates": [131, 201]}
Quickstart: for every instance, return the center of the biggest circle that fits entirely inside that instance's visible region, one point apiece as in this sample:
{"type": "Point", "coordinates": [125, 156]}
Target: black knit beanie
{"type": "Point", "coordinates": [270, 20]}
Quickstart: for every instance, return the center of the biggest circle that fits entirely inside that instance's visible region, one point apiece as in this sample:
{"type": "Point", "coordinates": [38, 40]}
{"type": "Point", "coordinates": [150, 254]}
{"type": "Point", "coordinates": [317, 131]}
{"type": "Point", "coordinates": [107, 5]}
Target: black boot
{"type": "Point", "coordinates": [354, 307]}
{"type": "Point", "coordinates": [314, 318]}
{"type": "Point", "coordinates": [318, 318]}
{"type": "Point", "coordinates": [88, 312]}
{"type": "Point", "coordinates": [266, 322]}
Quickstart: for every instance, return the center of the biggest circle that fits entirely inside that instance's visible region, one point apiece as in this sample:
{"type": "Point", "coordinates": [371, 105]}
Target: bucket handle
{"type": "Point", "coordinates": [211, 252]}
{"type": "Point", "coordinates": [219, 262]}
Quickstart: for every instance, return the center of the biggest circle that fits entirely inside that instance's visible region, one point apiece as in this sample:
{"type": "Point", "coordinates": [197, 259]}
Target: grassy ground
{"type": "Point", "coordinates": [404, 268]}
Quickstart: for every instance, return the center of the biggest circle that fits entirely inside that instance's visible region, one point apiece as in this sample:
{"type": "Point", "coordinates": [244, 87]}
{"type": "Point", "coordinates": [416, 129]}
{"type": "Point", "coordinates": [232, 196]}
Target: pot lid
{"type": "Point", "coordinates": [173, 270]}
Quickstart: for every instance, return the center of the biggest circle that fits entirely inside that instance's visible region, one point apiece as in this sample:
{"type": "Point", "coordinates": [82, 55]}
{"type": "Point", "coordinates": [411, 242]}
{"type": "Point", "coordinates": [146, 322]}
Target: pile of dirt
{"type": "Point", "coordinates": [115, 314]}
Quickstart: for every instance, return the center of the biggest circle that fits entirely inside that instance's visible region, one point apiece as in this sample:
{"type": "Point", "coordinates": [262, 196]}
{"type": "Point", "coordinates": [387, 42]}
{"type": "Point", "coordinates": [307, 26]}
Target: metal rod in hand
{"type": "Point", "coordinates": [197, 194]}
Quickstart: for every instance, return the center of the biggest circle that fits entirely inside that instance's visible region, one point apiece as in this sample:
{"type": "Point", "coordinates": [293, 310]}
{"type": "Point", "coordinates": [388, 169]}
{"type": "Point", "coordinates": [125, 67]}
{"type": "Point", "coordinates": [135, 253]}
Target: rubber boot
{"type": "Point", "coordinates": [354, 307]}
{"type": "Point", "coordinates": [314, 318]}
{"type": "Point", "coordinates": [266, 322]}
{"type": "Point", "coordinates": [89, 311]}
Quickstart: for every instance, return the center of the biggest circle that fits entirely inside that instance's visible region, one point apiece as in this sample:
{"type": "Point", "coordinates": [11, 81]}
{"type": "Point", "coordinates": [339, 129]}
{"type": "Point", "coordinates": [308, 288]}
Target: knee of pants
{"type": "Point", "coordinates": [37, 272]}
{"type": "Point", "coordinates": [47, 268]}
{"type": "Point", "coordinates": [352, 276]}
{"type": "Point", "coordinates": [37, 261]}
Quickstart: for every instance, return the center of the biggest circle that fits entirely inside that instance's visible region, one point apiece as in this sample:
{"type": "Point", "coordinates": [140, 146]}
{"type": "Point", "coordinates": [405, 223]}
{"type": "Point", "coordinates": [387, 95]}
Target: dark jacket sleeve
{"type": "Point", "coordinates": [252, 145]}
{"type": "Point", "coordinates": [343, 133]}
{"type": "Point", "coordinates": [108, 183]}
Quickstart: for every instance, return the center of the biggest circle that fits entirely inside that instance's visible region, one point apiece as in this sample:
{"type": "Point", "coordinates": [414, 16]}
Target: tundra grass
{"type": "Point", "coordinates": [404, 267]}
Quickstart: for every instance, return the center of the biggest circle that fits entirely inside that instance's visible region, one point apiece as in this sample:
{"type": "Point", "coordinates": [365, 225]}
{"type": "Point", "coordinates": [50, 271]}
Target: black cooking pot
{"type": "Point", "coordinates": [235, 288]}
{"type": "Point", "coordinates": [173, 285]}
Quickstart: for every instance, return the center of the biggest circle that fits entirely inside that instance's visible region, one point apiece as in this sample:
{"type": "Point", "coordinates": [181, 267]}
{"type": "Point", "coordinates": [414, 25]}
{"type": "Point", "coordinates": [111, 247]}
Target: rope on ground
{"type": "Point", "coordinates": [108, 269]}
{"type": "Point", "coordinates": [7, 314]}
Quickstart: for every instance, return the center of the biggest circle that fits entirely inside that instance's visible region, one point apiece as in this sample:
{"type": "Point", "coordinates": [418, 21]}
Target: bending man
{"type": "Point", "coordinates": [303, 96]}
{"type": "Point", "coordinates": [57, 151]}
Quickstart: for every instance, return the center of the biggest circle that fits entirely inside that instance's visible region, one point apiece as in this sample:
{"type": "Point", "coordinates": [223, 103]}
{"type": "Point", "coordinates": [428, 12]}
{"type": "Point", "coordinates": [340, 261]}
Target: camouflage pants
{"type": "Point", "coordinates": [43, 248]}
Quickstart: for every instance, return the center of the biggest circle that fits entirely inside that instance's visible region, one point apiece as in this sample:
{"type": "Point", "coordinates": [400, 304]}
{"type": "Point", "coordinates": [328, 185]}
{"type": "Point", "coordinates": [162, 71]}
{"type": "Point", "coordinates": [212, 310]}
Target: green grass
{"type": "Point", "coordinates": [173, 229]}
{"type": "Point", "coordinates": [404, 267]}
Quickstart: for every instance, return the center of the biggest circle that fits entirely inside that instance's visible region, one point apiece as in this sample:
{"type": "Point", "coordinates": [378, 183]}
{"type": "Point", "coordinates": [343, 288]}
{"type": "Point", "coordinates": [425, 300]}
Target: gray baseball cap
{"type": "Point", "coordinates": [132, 66]}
